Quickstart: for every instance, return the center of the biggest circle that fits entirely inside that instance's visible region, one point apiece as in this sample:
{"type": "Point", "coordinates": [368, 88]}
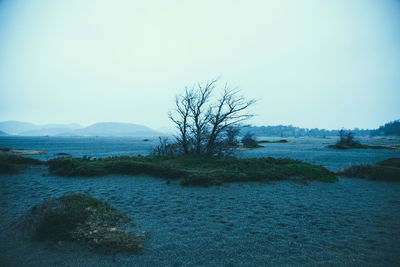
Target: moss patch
{"type": "Point", "coordinates": [80, 217]}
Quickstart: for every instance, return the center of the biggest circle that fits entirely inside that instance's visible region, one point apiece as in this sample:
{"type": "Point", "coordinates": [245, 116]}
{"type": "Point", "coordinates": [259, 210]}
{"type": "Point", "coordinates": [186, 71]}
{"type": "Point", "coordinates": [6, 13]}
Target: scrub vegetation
{"type": "Point", "coordinates": [79, 217]}
{"type": "Point", "coordinates": [387, 170]}
{"type": "Point", "coordinates": [10, 163]}
{"type": "Point", "coordinates": [195, 170]}
{"type": "Point", "coordinates": [347, 141]}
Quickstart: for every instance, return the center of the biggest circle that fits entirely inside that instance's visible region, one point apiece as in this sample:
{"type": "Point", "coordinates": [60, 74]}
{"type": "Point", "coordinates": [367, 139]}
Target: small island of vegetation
{"type": "Point", "coordinates": [191, 170]}
{"type": "Point", "coordinates": [347, 141]}
{"type": "Point", "coordinates": [194, 170]}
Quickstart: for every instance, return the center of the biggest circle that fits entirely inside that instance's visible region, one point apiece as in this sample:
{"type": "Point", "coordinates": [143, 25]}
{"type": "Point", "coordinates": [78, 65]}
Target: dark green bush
{"type": "Point", "coordinates": [14, 163]}
{"type": "Point", "coordinates": [249, 141]}
{"type": "Point", "coordinates": [81, 217]}
{"type": "Point", "coordinates": [387, 170]}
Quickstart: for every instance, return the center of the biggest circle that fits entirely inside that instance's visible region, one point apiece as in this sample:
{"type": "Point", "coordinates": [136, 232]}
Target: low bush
{"type": "Point", "coordinates": [387, 170]}
{"type": "Point", "coordinates": [249, 141]}
{"type": "Point", "coordinates": [81, 217]}
{"type": "Point", "coordinates": [13, 163]}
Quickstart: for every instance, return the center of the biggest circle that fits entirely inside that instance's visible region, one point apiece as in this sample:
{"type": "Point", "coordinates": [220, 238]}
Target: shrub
{"type": "Point", "coordinates": [346, 138]}
{"type": "Point", "coordinates": [387, 170]}
{"type": "Point", "coordinates": [14, 163]}
{"type": "Point", "coordinates": [249, 141]}
{"type": "Point", "coordinates": [81, 217]}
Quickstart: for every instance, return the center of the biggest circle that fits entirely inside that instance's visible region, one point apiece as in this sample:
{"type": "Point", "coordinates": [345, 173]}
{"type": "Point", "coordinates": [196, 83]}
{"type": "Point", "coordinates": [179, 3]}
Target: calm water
{"type": "Point", "coordinates": [351, 223]}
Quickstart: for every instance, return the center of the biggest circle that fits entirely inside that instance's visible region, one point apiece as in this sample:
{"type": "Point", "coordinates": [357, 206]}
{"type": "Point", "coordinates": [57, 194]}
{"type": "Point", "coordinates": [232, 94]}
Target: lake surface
{"type": "Point", "coordinates": [353, 222]}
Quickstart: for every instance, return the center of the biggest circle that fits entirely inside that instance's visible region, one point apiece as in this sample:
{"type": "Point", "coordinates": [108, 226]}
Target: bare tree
{"type": "Point", "coordinates": [200, 123]}
{"type": "Point", "coordinates": [199, 115]}
{"type": "Point", "coordinates": [231, 110]}
{"type": "Point", "coordinates": [180, 116]}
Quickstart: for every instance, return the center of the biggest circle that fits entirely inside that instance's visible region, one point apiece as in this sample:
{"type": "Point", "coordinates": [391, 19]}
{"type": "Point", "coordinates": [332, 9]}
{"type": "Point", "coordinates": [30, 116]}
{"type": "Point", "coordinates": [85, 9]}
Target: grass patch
{"type": "Point", "coordinates": [114, 165]}
{"type": "Point", "coordinates": [387, 170]}
{"type": "Point", "coordinates": [194, 170]}
{"type": "Point", "coordinates": [79, 217]}
{"type": "Point", "coordinates": [13, 163]}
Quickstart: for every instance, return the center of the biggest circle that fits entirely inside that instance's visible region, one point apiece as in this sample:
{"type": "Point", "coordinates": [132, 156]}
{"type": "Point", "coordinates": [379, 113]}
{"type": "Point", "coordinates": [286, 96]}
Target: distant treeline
{"type": "Point", "coordinates": [391, 128]}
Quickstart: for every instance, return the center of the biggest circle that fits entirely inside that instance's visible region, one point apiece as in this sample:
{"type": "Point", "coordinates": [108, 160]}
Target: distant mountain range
{"type": "Point", "coordinates": [97, 129]}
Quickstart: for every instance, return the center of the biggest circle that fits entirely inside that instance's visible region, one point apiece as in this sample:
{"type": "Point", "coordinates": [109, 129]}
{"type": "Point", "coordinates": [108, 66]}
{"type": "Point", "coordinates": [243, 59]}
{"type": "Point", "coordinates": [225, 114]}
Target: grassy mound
{"type": "Point", "coordinates": [387, 170]}
{"type": "Point", "coordinates": [13, 163]}
{"type": "Point", "coordinates": [114, 165]}
{"type": "Point", "coordinates": [194, 170]}
{"type": "Point", "coordinates": [81, 217]}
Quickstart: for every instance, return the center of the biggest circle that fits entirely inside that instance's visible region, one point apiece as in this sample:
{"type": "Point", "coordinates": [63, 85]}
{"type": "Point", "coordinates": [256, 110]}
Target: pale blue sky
{"type": "Point", "coordinates": [326, 64]}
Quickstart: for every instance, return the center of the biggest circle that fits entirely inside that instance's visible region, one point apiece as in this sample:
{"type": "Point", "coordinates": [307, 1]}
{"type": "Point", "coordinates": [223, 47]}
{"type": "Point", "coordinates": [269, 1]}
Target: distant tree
{"type": "Point", "coordinates": [346, 138]}
{"type": "Point", "coordinates": [249, 141]}
{"type": "Point", "coordinates": [201, 123]}
{"type": "Point", "coordinates": [390, 128]}
{"type": "Point", "coordinates": [231, 136]}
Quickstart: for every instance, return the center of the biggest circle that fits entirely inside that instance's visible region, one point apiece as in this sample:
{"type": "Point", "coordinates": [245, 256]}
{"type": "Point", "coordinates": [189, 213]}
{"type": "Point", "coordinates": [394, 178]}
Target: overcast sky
{"type": "Point", "coordinates": [326, 64]}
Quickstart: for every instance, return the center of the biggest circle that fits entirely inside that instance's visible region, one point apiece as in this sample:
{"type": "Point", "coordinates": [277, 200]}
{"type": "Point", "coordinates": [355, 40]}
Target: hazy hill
{"type": "Point", "coordinates": [16, 127]}
{"type": "Point", "coordinates": [97, 129]}
{"type": "Point", "coordinates": [26, 128]}
{"type": "Point", "coordinates": [47, 131]}
{"type": "Point", "coordinates": [3, 133]}
{"type": "Point", "coordinates": [116, 129]}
